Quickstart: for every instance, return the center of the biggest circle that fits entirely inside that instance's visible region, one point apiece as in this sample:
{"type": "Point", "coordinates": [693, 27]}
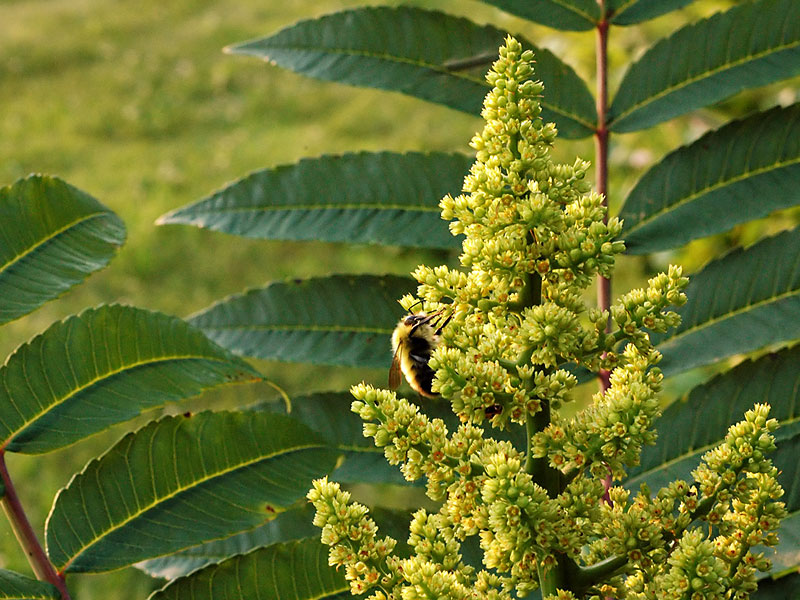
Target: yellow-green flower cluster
{"type": "Point", "coordinates": [535, 237]}
{"type": "Point", "coordinates": [346, 527]}
{"type": "Point", "coordinates": [609, 434]}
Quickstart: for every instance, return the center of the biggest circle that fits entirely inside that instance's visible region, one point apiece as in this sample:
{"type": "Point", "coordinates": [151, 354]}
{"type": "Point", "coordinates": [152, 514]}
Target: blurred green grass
{"type": "Point", "coordinates": [136, 104]}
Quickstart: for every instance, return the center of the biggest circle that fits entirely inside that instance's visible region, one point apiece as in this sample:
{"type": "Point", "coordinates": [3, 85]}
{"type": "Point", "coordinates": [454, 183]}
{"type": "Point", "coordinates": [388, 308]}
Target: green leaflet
{"type": "Point", "coordinates": [52, 236]}
{"type": "Point", "coordinates": [101, 367]}
{"type": "Point", "coordinates": [752, 44]}
{"type": "Point", "coordinates": [702, 420]}
{"type": "Point", "coordinates": [629, 12]}
{"type": "Point", "coordinates": [14, 586]}
{"type": "Point", "coordinates": [378, 198]}
{"type": "Point", "coordinates": [425, 54]}
{"type": "Point", "coordinates": [741, 172]}
{"type": "Point", "coordinates": [777, 589]}
{"type": "Point", "coordinates": [784, 458]}
{"type": "Point", "coordinates": [287, 571]}
{"type": "Point", "coordinates": [739, 303]}
{"type": "Point", "coordinates": [569, 15]}
{"type": "Point", "coordinates": [785, 556]}
{"type": "Point", "coordinates": [293, 524]}
{"type": "Point", "coordinates": [179, 482]}
{"type": "Point", "coordinates": [335, 320]}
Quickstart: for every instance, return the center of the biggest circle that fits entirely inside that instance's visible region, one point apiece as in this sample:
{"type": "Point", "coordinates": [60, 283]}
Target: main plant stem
{"type": "Point", "coordinates": [601, 157]}
{"type": "Point", "coordinates": [41, 565]}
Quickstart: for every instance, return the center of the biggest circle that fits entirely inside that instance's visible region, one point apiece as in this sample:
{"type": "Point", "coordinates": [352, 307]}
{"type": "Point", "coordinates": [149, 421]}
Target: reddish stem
{"type": "Point", "coordinates": [601, 158]}
{"type": "Point", "coordinates": [41, 565]}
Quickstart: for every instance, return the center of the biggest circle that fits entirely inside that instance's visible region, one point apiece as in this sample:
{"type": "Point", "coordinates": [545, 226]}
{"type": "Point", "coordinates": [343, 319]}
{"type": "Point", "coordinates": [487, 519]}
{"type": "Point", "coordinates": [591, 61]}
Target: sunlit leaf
{"type": "Point", "coordinates": [739, 303]}
{"type": "Point", "coordinates": [179, 482]}
{"type": "Point", "coordinates": [288, 571]}
{"type": "Point", "coordinates": [377, 198]}
{"type": "Point", "coordinates": [752, 44]}
{"type": "Point", "coordinates": [101, 367]}
{"type": "Point", "coordinates": [290, 525]}
{"type": "Point", "coordinates": [336, 320]}
{"type": "Point", "coordinates": [422, 53]}
{"type": "Point", "coordinates": [738, 173]}
{"type": "Point", "coordinates": [52, 236]}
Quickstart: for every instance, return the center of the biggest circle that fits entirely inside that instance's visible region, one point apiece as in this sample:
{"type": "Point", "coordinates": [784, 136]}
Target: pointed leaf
{"type": "Point", "coordinates": [702, 420]}
{"type": "Point", "coordinates": [629, 12]}
{"type": "Point", "coordinates": [52, 236]}
{"type": "Point", "coordinates": [293, 524]}
{"type": "Point", "coordinates": [738, 173]}
{"type": "Point", "coordinates": [329, 414]}
{"type": "Point", "coordinates": [14, 586]}
{"type": "Point", "coordinates": [777, 589]}
{"type": "Point", "coordinates": [784, 458]}
{"type": "Point", "coordinates": [747, 299]}
{"type": "Point", "coordinates": [378, 198]}
{"type": "Point", "coordinates": [425, 54]}
{"type": "Point", "coordinates": [787, 552]}
{"type": "Point", "coordinates": [101, 367]}
{"type": "Point", "coordinates": [566, 15]}
{"type": "Point", "coordinates": [336, 320]}
{"type": "Point", "coordinates": [288, 571]}
{"type": "Point", "coordinates": [179, 482]}
{"type": "Point", "coordinates": [752, 44]}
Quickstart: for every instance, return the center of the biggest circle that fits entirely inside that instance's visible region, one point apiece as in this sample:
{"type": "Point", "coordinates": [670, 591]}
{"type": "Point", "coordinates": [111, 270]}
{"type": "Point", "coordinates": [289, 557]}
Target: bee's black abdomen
{"type": "Point", "coordinates": [419, 351]}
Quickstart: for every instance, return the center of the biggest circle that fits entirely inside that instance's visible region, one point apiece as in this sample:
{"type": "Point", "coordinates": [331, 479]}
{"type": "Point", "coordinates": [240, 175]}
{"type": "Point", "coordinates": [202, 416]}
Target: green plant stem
{"type": "Point", "coordinates": [41, 565]}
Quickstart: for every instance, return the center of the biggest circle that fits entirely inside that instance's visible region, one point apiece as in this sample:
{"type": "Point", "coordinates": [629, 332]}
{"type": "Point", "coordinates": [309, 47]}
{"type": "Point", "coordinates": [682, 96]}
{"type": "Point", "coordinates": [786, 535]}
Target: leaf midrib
{"type": "Point", "coordinates": [442, 70]}
{"type": "Point", "coordinates": [318, 207]}
{"type": "Point", "coordinates": [53, 235]}
{"type": "Point", "coordinates": [728, 315]}
{"type": "Point", "coordinates": [298, 327]}
{"type": "Point", "coordinates": [106, 376]}
{"type": "Point", "coordinates": [704, 75]}
{"type": "Point", "coordinates": [711, 188]}
{"type": "Point", "coordinates": [180, 489]}
{"type": "Point", "coordinates": [697, 451]}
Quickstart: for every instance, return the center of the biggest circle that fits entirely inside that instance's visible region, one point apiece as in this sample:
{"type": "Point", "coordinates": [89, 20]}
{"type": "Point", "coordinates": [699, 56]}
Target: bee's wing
{"type": "Point", "coordinates": [394, 370]}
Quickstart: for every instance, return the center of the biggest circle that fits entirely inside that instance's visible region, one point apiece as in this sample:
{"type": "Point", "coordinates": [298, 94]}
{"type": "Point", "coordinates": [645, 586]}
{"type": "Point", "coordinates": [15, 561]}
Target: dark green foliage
{"type": "Point", "coordinates": [215, 500]}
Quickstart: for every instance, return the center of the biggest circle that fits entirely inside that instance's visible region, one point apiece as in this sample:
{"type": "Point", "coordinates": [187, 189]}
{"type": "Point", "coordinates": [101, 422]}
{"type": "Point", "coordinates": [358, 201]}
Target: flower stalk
{"type": "Point", "coordinates": [545, 516]}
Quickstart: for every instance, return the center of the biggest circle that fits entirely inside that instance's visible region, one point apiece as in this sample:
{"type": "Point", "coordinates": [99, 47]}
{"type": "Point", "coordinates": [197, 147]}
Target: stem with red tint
{"type": "Point", "coordinates": [41, 565]}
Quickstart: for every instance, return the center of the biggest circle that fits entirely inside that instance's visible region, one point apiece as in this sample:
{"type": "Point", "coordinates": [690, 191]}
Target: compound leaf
{"type": "Point", "coordinates": [101, 367]}
{"type": "Point", "coordinates": [566, 15]}
{"type": "Point", "coordinates": [287, 571]}
{"type": "Point", "coordinates": [179, 482]}
{"type": "Point", "coordinates": [378, 198]}
{"type": "Point", "coordinates": [14, 586]}
{"type": "Point", "coordinates": [629, 12]}
{"type": "Point", "coordinates": [425, 54]}
{"type": "Point", "coordinates": [743, 171]}
{"type": "Point", "coordinates": [335, 320]}
{"type": "Point", "coordinates": [752, 44]}
{"type": "Point", "coordinates": [739, 303]}
{"type": "Point", "coordinates": [52, 236]}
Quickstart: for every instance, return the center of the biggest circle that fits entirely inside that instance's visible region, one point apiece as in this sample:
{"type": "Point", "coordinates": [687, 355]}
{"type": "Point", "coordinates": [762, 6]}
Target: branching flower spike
{"type": "Point", "coordinates": [542, 512]}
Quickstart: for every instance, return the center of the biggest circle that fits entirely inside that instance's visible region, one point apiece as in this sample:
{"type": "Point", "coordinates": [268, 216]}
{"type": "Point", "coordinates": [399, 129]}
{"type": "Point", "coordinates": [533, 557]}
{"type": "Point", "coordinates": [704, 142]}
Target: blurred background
{"type": "Point", "coordinates": [136, 104]}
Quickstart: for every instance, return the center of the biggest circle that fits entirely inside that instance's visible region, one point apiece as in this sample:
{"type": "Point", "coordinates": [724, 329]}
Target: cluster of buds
{"type": "Point", "coordinates": [535, 237]}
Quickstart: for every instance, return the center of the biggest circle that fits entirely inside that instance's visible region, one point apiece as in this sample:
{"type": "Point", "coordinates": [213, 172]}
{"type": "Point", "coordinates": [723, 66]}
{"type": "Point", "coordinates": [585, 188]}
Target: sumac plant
{"type": "Point", "coordinates": [632, 495]}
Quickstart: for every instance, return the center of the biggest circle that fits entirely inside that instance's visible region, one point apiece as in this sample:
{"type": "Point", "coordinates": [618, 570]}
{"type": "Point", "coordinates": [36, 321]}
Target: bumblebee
{"type": "Point", "coordinates": [413, 341]}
